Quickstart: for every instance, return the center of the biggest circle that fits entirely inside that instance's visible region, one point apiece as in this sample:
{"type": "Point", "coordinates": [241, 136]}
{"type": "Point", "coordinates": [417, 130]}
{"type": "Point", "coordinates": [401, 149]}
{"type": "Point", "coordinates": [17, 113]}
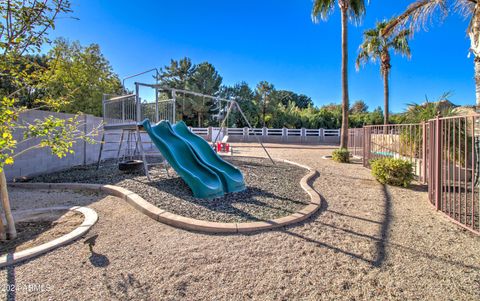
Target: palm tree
{"type": "Point", "coordinates": [422, 12]}
{"type": "Point", "coordinates": [353, 10]}
{"type": "Point", "coordinates": [375, 47]}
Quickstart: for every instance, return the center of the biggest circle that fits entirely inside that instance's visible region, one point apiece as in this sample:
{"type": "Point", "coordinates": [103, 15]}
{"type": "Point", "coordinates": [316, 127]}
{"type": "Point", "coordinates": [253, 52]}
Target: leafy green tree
{"type": "Point", "coordinates": [422, 12]}
{"type": "Point", "coordinates": [376, 47]}
{"type": "Point", "coordinates": [30, 65]}
{"type": "Point", "coordinates": [358, 107]}
{"type": "Point", "coordinates": [300, 100]}
{"type": "Point", "coordinates": [177, 75]}
{"type": "Point", "coordinates": [24, 31]}
{"type": "Point", "coordinates": [205, 80]}
{"type": "Point", "coordinates": [264, 100]}
{"type": "Point", "coordinates": [82, 75]}
{"type": "Point", "coordinates": [244, 96]}
{"type": "Point", "coordinates": [350, 9]}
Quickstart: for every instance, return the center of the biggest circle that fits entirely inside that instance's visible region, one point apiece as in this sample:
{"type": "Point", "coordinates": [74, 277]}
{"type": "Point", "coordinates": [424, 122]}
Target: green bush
{"type": "Point", "coordinates": [341, 155]}
{"type": "Point", "coordinates": [391, 171]}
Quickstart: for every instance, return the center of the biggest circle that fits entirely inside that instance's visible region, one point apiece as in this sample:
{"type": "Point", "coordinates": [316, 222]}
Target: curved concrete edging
{"type": "Point", "coordinates": [90, 217]}
{"type": "Point", "coordinates": [194, 224]}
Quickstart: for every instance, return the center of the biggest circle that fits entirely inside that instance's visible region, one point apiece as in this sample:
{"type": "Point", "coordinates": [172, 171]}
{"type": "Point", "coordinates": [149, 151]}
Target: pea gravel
{"type": "Point", "coordinates": [273, 190]}
{"type": "Point", "coordinates": [369, 242]}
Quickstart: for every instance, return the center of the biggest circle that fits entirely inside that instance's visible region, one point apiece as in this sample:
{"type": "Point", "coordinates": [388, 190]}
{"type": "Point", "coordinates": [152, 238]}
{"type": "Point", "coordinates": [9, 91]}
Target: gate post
{"type": "Point", "coordinates": [424, 152]}
{"type": "Point", "coordinates": [438, 163]}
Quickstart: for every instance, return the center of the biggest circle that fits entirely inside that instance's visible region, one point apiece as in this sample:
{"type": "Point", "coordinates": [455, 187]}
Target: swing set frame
{"type": "Point", "coordinates": [136, 116]}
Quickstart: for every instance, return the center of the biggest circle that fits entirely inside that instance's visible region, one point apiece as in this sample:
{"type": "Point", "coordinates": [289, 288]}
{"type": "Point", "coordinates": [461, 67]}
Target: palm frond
{"type": "Point", "coordinates": [465, 7]}
{"type": "Point", "coordinates": [418, 16]}
{"type": "Point", "coordinates": [356, 10]}
{"type": "Point", "coordinates": [322, 9]}
{"type": "Point", "coordinates": [400, 43]}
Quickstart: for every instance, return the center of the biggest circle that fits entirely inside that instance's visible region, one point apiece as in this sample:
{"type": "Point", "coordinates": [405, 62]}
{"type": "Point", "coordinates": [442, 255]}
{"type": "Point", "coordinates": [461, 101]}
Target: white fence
{"type": "Point", "coordinates": [282, 135]}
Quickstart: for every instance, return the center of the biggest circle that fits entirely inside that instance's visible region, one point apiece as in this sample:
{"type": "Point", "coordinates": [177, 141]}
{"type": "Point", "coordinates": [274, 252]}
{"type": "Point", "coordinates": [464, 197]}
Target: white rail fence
{"type": "Point", "coordinates": [270, 135]}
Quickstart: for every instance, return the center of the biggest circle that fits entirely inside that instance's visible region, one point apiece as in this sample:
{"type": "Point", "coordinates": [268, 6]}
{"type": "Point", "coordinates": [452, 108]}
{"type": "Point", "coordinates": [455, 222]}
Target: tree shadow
{"type": "Point", "coordinates": [381, 241]}
{"type": "Point", "coordinates": [380, 255]}
{"type": "Point", "coordinates": [127, 287]}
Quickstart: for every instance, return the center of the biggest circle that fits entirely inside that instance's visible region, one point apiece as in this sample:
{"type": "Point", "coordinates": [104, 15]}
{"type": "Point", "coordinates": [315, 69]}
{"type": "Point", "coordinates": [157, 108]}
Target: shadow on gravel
{"type": "Point", "coordinates": [96, 259]}
{"type": "Point", "coordinates": [126, 287]}
{"type": "Point", "coordinates": [380, 243]}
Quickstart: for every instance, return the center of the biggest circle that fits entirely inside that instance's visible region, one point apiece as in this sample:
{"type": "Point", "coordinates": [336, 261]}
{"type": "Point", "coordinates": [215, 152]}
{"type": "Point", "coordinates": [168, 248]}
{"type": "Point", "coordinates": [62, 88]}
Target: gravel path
{"type": "Point", "coordinates": [369, 242]}
{"type": "Point", "coordinates": [272, 190]}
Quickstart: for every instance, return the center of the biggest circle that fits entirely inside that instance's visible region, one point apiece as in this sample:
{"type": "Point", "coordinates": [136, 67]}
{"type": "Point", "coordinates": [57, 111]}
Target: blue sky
{"type": "Point", "coordinates": [273, 40]}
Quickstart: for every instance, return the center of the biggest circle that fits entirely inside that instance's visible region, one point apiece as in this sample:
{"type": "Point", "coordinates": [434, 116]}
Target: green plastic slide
{"type": "Point", "coordinates": [232, 178]}
{"type": "Point", "coordinates": [203, 181]}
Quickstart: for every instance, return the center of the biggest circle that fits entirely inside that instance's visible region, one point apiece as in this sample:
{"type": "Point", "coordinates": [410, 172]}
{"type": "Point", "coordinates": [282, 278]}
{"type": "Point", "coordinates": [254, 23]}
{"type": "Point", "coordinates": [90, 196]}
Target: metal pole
{"type": "Point", "coordinates": [438, 163]}
{"type": "Point", "coordinates": [174, 96]}
{"type": "Point", "coordinates": [156, 104]}
{"type": "Point", "coordinates": [104, 106]}
{"type": "Point", "coordinates": [137, 102]}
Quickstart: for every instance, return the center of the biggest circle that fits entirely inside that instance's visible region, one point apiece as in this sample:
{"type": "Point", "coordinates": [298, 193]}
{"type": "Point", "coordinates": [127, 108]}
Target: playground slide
{"type": "Point", "coordinates": [232, 178]}
{"type": "Point", "coordinates": [203, 181]}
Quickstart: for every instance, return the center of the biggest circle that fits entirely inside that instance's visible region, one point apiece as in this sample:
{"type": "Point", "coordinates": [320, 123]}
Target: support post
{"type": "Point", "coordinates": [424, 152]}
{"type": "Point", "coordinates": [101, 149]}
{"type": "Point", "coordinates": [137, 103]}
{"type": "Point", "coordinates": [156, 105]}
{"type": "Point", "coordinates": [142, 151]}
{"type": "Point", "coordinates": [174, 96]}
{"type": "Point", "coordinates": [438, 163]}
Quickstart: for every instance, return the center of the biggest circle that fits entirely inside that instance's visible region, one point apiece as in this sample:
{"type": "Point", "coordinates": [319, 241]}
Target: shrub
{"type": "Point", "coordinates": [391, 171]}
{"type": "Point", "coordinates": [341, 155]}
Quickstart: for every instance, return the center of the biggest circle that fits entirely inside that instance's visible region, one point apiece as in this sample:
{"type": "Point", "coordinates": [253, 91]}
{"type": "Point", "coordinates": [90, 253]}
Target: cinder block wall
{"type": "Point", "coordinates": [39, 161]}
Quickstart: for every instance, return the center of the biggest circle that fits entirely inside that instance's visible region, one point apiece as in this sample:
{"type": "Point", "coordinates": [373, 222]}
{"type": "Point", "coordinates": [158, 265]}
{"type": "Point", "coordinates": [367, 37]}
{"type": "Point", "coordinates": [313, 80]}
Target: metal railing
{"type": "Point", "coordinates": [453, 184]}
{"type": "Point", "coordinates": [403, 141]}
{"type": "Point", "coordinates": [445, 154]}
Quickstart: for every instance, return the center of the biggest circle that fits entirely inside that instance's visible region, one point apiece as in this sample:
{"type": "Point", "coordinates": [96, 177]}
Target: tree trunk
{"type": "Point", "coordinates": [3, 235]}
{"type": "Point", "coordinates": [345, 100]}
{"type": "Point", "coordinates": [11, 231]}
{"type": "Point", "coordinates": [264, 111]}
{"type": "Point", "coordinates": [386, 95]}
{"type": "Point", "coordinates": [477, 81]}
{"type": "Point", "coordinates": [475, 48]}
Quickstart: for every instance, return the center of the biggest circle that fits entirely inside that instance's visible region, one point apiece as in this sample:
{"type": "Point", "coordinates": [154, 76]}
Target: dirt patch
{"type": "Point", "coordinates": [35, 233]}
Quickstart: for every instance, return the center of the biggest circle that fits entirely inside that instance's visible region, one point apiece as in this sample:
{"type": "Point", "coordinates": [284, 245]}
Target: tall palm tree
{"type": "Point", "coordinates": [422, 12]}
{"type": "Point", "coordinates": [353, 10]}
{"type": "Point", "coordinates": [376, 47]}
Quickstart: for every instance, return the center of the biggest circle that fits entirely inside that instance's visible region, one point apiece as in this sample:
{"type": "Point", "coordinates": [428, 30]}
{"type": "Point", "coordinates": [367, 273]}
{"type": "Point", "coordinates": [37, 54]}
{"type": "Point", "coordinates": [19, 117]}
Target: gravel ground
{"type": "Point", "coordinates": [369, 242]}
{"type": "Point", "coordinates": [272, 190]}
{"type": "Point", "coordinates": [35, 233]}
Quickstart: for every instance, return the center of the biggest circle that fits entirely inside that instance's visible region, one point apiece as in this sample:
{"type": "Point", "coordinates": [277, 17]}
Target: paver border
{"type": "Point", "coordinates": [188, 223]}
{"type": "Point", "coordinates": [90, 217]}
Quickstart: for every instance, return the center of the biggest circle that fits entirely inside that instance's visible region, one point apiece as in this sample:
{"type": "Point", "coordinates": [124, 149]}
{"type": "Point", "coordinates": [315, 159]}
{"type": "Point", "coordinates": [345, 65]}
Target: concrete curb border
{"type": "Point", "coordinates": [187, 223]}
{"type": "Point", "coordinates": [90, 217]}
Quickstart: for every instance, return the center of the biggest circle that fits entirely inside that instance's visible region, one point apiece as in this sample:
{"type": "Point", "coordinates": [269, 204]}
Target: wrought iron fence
{"type": "Point", "coordinates": [445, 154]}
{"type": "Point", "coordinates": [453, 184]}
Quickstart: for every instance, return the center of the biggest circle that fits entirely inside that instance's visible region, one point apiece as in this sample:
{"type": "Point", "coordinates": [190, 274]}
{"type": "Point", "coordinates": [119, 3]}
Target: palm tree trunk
{"type": "Point", "coordinates": [12, 232]}
{"type": "Point", "coordinates": [386, 95]}
{"type": "Point", "coordinates": [345, 100]}
{"type": "Point", "coordinates": [477, 81]}
{"type": "Point", "coordinates": [475, 48]}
